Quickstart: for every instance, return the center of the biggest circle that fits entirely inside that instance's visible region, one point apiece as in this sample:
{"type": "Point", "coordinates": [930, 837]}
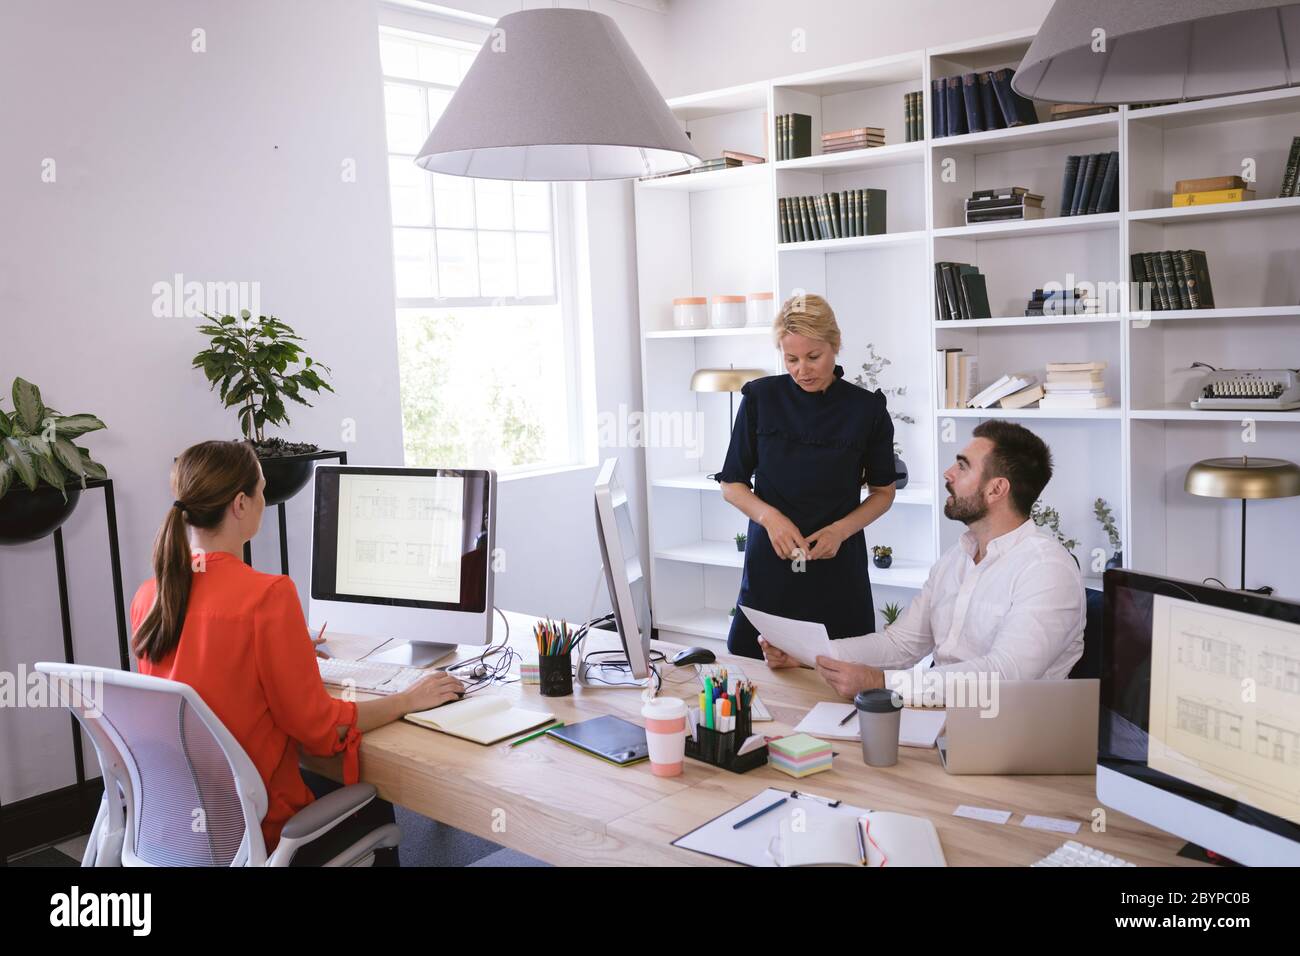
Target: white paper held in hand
{"type": "Point", "coordinates": [802, 640]}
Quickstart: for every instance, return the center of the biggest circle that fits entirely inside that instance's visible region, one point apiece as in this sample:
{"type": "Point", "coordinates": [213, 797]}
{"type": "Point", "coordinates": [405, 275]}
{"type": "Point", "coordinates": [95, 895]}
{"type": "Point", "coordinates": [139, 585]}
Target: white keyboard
{"type": "Point", "coordinates": [369, 678]}
{"type": "Point", "coordinates": [1072, 853]}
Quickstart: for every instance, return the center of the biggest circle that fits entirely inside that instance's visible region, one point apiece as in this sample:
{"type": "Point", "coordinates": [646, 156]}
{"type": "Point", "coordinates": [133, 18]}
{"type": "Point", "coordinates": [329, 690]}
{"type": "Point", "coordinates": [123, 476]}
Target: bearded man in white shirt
{"type": "Point", "coordinates": [1006, 600]}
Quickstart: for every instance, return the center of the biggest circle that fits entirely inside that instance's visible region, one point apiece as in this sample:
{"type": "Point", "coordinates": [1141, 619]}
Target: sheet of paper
{"type": "Point", "coordinates": [1050, 823]}
{"type": "Point", "coordinates": [802, 640]}
{"type": "Point", "coordinates": [982, 813]}
{"type": "Point", "coordinates": [916, 728]}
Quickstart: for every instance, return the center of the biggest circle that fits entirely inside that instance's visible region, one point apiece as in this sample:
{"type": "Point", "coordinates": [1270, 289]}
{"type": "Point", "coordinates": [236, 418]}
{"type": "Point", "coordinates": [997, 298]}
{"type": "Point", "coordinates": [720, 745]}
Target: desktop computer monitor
{"type": "Point", "coordinates": [404, 553]}
{"type": "Point", "coordinates": [1200, 715]}
{"type": "Point", "coordinates": [624, 578]}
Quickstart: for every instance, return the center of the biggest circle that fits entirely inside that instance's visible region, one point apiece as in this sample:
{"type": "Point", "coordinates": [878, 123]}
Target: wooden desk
{"type": "Point", "coordinates": [557, 804]}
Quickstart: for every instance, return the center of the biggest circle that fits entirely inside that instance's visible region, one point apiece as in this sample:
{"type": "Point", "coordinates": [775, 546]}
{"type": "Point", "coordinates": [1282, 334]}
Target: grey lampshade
{"type": "Point", "coordinates": [1159, 50]}
{"type": "Point", "coordinates": [556, 94]}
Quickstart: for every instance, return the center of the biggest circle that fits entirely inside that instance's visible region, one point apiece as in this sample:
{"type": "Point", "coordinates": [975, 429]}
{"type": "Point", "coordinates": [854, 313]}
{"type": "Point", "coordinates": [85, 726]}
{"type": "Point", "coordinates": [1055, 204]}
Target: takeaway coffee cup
{"type": "Point", "coordinates": [880, 712]}
{"type": "Point", "coordinates": [665, 734]}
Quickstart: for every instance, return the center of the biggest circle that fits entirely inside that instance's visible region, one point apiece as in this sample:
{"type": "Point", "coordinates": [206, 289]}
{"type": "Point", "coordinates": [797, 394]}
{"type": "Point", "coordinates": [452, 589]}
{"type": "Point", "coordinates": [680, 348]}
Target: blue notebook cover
{"type": "Point", "coordinates": [970, 94]}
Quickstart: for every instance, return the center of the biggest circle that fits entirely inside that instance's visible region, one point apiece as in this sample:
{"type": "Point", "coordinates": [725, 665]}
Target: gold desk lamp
{"type": "Point", "coordinates": [729, 380]}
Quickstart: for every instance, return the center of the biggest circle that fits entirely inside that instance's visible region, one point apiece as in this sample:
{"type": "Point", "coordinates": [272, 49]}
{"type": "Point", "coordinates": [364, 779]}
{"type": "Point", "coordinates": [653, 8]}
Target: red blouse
{"type": "Point", "coordinates": [245, 649]}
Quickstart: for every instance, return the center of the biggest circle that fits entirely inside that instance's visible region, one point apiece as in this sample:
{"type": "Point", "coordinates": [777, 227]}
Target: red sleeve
{"type": "Point", "coordinates": [286, 666]}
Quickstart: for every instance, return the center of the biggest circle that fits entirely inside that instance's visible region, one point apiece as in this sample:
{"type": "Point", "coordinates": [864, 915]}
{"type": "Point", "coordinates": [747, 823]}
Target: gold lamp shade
{"type": "Point", "coordinates": [1243, 478]}
{"type": "Point", "coordinates": [724, 379]}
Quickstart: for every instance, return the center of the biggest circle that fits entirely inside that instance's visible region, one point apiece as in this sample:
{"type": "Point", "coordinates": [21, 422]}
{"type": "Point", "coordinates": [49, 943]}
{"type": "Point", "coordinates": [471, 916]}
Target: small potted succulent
{"type": "Point", "coordinates": [890, 612]}
{"type": "Point", "coordinates": [882, 555]}
{"type": "Point", "coordinates": [740, 541]}
{"type": "Point", "coordinates": [41, 471]}
{"type": "Point", "coordinates": [256, 365]}
{"type": "Point", "coordinates": [1107, 521]}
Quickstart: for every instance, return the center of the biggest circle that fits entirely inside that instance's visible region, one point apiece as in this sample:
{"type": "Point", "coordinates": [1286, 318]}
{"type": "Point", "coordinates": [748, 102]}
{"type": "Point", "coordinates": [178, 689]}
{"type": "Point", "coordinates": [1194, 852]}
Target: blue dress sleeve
{"type": "Point", "coordinates": [742, 453]}
{"type": "Point", "coordinates": [878, 460]}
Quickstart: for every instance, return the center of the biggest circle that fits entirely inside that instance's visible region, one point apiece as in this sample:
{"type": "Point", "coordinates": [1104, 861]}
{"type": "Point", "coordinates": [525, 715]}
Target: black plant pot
{"type": "Point", "coordinates": [740, 545]}
{"type": "Point", "coordinates": [1116, 560]}
{"type": "Point", "coordinates": [286, 476]}
{"type": "Point", "coordinates": [883, 562]}
{"type": "Point", "coordinates": [31, 515]}
{"type": "Point", "coordinates": [900, 474]}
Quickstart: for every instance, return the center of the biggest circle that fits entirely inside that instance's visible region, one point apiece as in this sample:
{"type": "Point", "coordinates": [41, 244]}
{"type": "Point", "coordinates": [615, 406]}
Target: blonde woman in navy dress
{"type": "Point", "coordinates": [809, 441]}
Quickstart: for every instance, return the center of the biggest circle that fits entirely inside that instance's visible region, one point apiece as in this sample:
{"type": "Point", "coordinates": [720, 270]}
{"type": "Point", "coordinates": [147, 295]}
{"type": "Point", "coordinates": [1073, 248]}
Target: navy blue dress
{"type": "Point", "coordinates": [809, 454]}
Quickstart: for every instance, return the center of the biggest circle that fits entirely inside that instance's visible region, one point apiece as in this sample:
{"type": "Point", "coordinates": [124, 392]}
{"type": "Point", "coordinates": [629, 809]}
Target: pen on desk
{"type": "Point", "coordinates": [849, 715]}
{"type": "Point", "coordinates": [862, 844]}
{"type": "Point", "coordinates": [524, 740]}
{"type": "Point", "coordinates": [755, 816]}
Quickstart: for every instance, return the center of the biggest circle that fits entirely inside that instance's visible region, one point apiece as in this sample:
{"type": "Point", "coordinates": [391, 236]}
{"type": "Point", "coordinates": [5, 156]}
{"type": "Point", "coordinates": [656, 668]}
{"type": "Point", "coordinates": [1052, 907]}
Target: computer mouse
{"type": "Point", "coordinates": [694, 655]}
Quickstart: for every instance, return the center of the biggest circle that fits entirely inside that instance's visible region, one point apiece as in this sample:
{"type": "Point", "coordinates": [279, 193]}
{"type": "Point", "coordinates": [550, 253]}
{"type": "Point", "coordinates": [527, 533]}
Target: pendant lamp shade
{"type": "Point", "coordinates": [1155, 50]}
{"type": "Point", "coordinates": [556, 94]}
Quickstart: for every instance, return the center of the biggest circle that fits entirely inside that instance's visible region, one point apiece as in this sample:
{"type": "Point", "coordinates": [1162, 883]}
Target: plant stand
{"type": "Point", "coordinates": [65, 617]}
{"type": "Point", "coordinates": [342, 458]}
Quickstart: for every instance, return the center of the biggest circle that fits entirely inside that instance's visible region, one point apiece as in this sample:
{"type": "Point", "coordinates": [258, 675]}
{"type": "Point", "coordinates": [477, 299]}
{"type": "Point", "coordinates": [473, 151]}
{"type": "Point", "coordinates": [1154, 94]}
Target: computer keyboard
{"type": "Point", "coordinates": [1073, 853]}
{"type": "Point", "coordinates": [369, 678]}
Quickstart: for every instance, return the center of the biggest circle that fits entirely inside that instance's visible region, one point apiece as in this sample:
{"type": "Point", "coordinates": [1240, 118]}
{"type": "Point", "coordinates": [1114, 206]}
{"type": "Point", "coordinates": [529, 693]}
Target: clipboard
{"type": "Point", "coordinates": [750, 844]}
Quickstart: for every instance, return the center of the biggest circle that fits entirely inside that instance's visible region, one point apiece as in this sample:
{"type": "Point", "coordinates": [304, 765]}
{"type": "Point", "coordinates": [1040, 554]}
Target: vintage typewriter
{"type": "Point", "coordinates": [1248, 390]}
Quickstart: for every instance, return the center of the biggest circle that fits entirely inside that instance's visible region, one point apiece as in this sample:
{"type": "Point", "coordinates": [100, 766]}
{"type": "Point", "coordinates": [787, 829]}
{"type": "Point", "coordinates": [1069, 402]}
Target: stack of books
{"type": "Point", "coordinates": [722, 162]}
{"type": "Point", "coordinates": [1003, 203]}
{"type": "Point", "coordinates": [1291, 175]}
{"type": "Point", "coordinates": [793, 136]}
{"type": "Point", "coordinates": [1215, 189]}
{"type": "Point", "coordinates": [841, 215]}
{"type": "Point", "coordinates": [914, 116]}
{"type": "Point", "coordinates": [1172, 279]}
{"type": "Point", "coordinates": [975, 102]}
{"type": "Point", "coordinates": [959, 373]}
{"type": "Point", "coordinates": [1074, 385]}
{"type": "Point", "coordinates": [1016, 390]}
{"type": "Point", "coordinates": [1063, 111]}
{"type": "Point", "coordinates": [861, 137]}
{"type": "Point", "coordinates": [1090, 184]}
{"type": "Point", "coordinates": [960, 292]}
{"type": "Point", "coordinates": [1059, 302]}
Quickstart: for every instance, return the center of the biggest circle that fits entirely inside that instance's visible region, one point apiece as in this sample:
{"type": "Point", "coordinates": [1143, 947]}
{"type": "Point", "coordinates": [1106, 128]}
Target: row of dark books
{"type": "Point", "coordinates": [1291, 175]}
{"type": "Point", "coordinates": [1172, 279]}
{"type": "Point", "coordinates": [1002, 204]}
{"type": "Point", "coordinates": [1059, 302]}
{"type": "Point", "coordinates": [793, 136]}
{"type": "Point", "coordinates": [851, 212]}
{"type": "Point", "coordinates": [861, 137]}
{"type": "Point", "coordinates": [960, 292]}
{"type": "Point", "coordinates": [1090, 184]}
{"type": "Point", "coordinates": [975, 102]}
{"type": "Point", "coordinates": [914, 116]}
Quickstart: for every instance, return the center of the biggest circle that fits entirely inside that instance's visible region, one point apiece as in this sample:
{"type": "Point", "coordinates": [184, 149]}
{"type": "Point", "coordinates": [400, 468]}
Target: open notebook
{"type": "Point", "coordinates": [890, 839]}
{"type": "Point", "coordinates": [916, 727]}
{"type": "Point", "coordinates": [484, 720]}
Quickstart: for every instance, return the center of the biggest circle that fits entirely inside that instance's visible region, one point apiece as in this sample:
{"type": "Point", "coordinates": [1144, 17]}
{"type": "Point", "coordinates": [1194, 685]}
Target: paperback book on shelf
{"type": "Point", "coordinates": [960, 292]}
{"type": "Point", "coordinates": [1074, 385]}
{"type": "Point", "coordinates": [1003, 203]}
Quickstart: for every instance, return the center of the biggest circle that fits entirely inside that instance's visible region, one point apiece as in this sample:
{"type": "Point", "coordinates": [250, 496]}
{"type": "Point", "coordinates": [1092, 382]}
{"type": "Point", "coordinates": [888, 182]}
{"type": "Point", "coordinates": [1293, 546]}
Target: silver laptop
{"type": "Point", "coordinates": [1041, 726]}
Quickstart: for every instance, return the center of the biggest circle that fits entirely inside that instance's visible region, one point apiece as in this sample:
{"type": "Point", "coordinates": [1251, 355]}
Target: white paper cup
{"type": "Point", "coordinates": [665, 734]}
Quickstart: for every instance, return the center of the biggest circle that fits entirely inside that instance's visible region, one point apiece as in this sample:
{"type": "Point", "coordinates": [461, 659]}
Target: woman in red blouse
{"type": "Point", "coordinates": [238, 637]}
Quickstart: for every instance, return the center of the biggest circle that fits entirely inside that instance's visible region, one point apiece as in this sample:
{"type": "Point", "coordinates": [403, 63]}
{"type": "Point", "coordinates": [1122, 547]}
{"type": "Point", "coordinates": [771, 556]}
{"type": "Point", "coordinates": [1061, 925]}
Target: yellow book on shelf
{"type": "Point", "coordinates": [1213, 196]}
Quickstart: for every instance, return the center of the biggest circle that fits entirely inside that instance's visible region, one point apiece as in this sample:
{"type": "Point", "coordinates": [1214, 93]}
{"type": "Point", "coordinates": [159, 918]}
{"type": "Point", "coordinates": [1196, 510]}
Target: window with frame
{"type": "Point", "coordinates": [488, 342]}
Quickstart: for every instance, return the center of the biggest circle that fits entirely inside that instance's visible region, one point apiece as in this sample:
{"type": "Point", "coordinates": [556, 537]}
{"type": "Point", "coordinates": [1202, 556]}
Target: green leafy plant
{"type": "Point", "coordinates": [881, 551]}
{"type": "Point", "coordinates": [741, 538]}
{"type": "Point", "coordinates": [36, 444]}
{"type": "Point", "coordinates": [1048, 517]}
{"type": "Point", "coordinates": [256, 364]}
{"type": "Point", "coordinates": [890, 613]}
{"type": "Point", "coordinates": [870, 378]}
{"type": "Point", "coordinates": [1107, 521]}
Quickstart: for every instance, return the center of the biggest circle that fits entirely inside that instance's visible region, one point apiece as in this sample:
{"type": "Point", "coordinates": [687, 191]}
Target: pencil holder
{"type": "Point", "coordinates": [719, 749]}
{"type": "Point", "coordinates": [555, 674]}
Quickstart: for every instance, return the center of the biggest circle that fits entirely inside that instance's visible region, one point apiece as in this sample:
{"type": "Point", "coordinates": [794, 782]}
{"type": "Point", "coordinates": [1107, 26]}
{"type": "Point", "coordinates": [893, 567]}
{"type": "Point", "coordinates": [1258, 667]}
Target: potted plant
{"type": "Point", "coordinates": [890, 612]}
{"type": "Point", "coordinates": [740, 541]}
{"type": "Point", "coordinates": [882, 555]}
{"type": "Point", "coordinates": [255, 365]}
{"type": "Point", "coordinates": [41, 471]}
{"type": "Point", "coordinates": [869, 378]}
{"type": "Point", "coordinates": [1107, 521]}
{"type": "Point", "coordinates": [1047, 517]}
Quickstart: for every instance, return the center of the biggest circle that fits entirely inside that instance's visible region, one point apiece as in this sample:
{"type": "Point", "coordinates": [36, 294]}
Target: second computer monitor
{"type": "Point", "coordinates": [404, 553]}
{"type": "Point", "coordinates": [624, 578]}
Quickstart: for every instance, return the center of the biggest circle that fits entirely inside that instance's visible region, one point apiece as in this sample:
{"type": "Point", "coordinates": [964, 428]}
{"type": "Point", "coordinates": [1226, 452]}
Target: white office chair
{"type": "Point", "coordinates": [179, 790]}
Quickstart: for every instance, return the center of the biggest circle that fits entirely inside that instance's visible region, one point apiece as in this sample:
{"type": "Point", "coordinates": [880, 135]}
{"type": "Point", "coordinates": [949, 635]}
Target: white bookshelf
{"type": "Point", "coordinates": [716, 233]}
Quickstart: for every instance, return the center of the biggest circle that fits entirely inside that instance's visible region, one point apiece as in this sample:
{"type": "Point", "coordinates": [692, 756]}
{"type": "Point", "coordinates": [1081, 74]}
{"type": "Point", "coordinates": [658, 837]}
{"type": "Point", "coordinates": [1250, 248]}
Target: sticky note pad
{"type": "Point", "coordinates": [800, 755]}
{"type": "Point", "coordinates": [529, 674]}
